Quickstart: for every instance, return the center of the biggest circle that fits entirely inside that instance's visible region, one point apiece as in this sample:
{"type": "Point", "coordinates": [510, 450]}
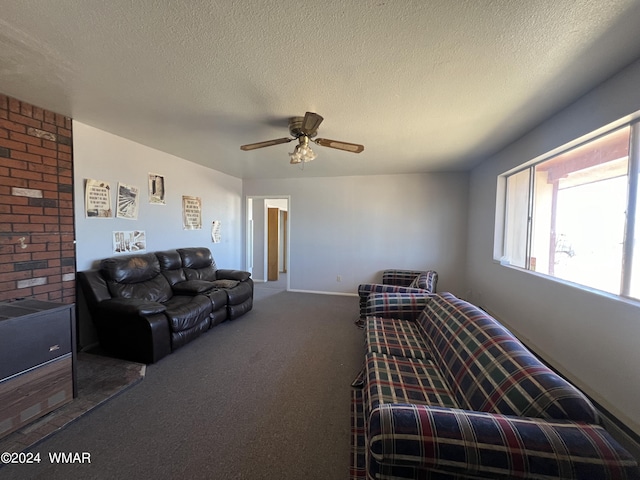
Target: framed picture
{"type": "Point", "coordinates": [98, 199]}
{"type": "Point", "coordinates": [191, 213]}
{"type": "Point", "coordinates": [127, 202]}
{"type": "Point", "coordinates": [156, 189]}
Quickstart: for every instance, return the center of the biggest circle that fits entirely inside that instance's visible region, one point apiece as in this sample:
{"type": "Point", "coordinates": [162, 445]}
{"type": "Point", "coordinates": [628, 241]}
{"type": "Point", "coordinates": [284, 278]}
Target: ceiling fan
{"type": "Point", "coordinates": [304, 129]}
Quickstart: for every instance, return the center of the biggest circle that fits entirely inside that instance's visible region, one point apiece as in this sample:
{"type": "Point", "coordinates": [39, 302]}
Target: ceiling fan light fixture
{"type": "Point", "coordinates": [302, 152]}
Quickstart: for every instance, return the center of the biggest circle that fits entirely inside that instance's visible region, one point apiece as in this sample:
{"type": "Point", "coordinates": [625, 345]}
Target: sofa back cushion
{"type": "Point", "coordinates": [489, 370]}
{"type": "Point", "coordinates": [135, 276]}
{"type": "Point", "coordinates": [171, 266]}
{"type": "Point", "coordinates": [198, 264]}
{"type": "Point", "coordinates": [426, 281]}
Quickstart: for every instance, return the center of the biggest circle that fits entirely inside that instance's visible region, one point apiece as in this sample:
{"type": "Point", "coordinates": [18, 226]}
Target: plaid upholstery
{"type": "Point", "coordinates": [489, 370]}
{"type": "Point", "coordinates": [479, 406]}
{"type": "Point", "coordinates": [403, 380]}
{"type": "Point", "coordinates": [400, 277]}
{"type": "Point", "coordinates": [397, 281]}
{"type": "Point", "coordinates": [406, 306]}
{"type": "Point", "coordinates": [400, 338]}
{"type": "Point", "coordinates": [489, 445]}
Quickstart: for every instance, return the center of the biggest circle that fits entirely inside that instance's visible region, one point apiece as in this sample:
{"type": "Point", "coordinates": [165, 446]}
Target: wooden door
{"type": "Point", "coordinates": [273, 241]}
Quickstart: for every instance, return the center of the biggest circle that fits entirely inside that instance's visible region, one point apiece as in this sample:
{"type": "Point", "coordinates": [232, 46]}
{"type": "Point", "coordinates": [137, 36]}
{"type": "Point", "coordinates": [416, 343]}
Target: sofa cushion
{"type": "Point", "coordinates": [136, 276]}
{"type": "Point", "coordinates": [193, 287]}
{"type": "Point", "coordinates": [392, 379]}
{"type": "Point", "coordinates": [400, 338]}
{"type": "Point", "coordinates": [185, 312]}
{"type": "Point", "coordinates": [489, 370]}
{"type": "Point", "coordinates": [225, 283]}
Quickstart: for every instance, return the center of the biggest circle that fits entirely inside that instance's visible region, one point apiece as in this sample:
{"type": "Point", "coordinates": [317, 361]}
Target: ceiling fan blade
{"type": "Point", "coordinates": [268, 143]}
{"type": "Point", "coordinates": [310, 123]}
{"type": "Point", "coordinates": [349, 147]}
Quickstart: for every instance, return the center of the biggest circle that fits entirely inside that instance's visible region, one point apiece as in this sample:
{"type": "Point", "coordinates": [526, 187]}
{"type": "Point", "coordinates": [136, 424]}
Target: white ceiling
{"type": "Point", "coordinates": [424, 85]}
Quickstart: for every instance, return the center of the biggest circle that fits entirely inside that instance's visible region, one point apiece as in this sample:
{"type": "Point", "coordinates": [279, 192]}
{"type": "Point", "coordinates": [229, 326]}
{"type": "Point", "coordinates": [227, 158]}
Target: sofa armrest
{"type": "Point", "coordinates": [492, 445]}
{"type": "Point", "coordinates": [192, 287]}
{"type": "Point", "coordinates": [131, 306]}
{"type": "Point", "coordinates": [403, 306]}
{"type": "Point", "coordinates": [238, 275]}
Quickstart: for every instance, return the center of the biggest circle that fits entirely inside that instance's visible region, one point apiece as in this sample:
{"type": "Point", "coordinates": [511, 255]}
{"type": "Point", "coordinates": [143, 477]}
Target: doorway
{"type": "Point", "coordinates": [268, 238]}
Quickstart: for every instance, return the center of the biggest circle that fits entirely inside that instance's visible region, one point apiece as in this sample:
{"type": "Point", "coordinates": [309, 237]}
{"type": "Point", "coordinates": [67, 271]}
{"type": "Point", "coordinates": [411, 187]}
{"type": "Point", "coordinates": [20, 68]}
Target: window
{"type": "Point", "coordinates": [573, 215]}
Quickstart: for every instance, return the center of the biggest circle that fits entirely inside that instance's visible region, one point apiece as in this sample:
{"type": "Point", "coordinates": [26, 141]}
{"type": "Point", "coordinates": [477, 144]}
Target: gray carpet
{"type": "Point", "coordinates": [266, 396]}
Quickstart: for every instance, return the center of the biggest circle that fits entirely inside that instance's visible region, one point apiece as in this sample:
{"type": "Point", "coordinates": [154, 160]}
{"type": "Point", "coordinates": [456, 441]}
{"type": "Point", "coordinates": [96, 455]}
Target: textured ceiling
{"type": "Point", "coordinates": [424, 85]}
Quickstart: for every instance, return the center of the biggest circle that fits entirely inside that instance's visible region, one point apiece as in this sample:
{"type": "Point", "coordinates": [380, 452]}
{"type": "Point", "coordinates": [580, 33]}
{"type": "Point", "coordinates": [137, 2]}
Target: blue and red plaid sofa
{"type": "Point", "coordinates": [403, 290]}
{"type": "Point", "coordinates": [453, 394]}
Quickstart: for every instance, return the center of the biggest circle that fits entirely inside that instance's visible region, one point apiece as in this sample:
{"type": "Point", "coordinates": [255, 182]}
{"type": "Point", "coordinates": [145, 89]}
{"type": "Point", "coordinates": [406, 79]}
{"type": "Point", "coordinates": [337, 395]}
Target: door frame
{"type": "Point", "coordinates": [251, 231]}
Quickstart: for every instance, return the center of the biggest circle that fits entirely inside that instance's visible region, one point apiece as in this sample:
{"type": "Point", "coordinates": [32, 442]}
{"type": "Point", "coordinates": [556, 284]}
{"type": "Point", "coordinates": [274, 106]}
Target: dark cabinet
{"type": "Point", "coordinates": [37, 360]}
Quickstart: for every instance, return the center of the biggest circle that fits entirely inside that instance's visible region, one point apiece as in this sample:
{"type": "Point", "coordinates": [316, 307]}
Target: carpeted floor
{"type": "Point", "coordinates": [266, 396]}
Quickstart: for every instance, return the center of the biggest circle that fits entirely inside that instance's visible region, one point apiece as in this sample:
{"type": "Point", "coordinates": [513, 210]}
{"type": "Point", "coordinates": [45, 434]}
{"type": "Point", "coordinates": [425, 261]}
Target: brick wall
{"type": "Point", "coordinates": [37, 251]}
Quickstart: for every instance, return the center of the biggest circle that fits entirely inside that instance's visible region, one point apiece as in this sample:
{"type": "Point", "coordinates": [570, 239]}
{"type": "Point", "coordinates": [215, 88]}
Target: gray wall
{"type": "Point", "coordinates": [100, 155]}
{"type": "Point", "coordinates": [355, 227]}
{"type": "Point", "coordinates": [590, 337]}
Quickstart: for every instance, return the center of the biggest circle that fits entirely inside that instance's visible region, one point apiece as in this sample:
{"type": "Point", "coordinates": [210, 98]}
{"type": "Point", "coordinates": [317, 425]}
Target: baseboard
{"type": "Point", "coordinates": [319, 292]}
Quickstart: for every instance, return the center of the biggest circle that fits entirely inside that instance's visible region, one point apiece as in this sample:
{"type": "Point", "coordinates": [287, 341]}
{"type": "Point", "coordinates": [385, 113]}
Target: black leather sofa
{"type": "Point", "coordinates": [145, 306]}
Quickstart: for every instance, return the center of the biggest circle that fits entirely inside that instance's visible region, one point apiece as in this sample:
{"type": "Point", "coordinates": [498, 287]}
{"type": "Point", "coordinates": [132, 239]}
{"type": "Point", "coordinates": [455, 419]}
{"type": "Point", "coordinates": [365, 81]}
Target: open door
{"type": "Point", "coordinates": [273, 243]}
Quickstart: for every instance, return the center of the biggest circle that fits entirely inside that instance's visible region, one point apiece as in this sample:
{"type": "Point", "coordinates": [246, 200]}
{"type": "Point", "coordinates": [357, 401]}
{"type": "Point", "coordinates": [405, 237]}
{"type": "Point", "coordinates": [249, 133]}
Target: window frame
{"type": "Point", "coordinates": [632, 206]}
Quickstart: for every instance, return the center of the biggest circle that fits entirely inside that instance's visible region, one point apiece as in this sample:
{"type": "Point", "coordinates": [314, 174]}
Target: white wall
{"type": "Point", "coordinates": [355, 227]}
{"type": "Point", "coordinates": [592, 338]}
{"type": "Point", "coordinates": [102, 156]}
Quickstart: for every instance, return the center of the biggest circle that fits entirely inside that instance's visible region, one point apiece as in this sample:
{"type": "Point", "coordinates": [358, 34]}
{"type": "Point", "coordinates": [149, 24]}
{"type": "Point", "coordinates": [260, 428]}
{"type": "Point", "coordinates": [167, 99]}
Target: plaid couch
{"type": "Point", "coordinates": [452, 394]}
{"type": "Point", "coordinates": [406, 288]}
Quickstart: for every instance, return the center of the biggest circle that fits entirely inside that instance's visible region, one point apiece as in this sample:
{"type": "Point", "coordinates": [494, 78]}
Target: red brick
{"type": "Point", "coordinates": [60, 120]}
{"type": "Point", "coordinates": [45, 152]}
{"type": "Point", "coordinates": [40, 289]}
{"type": "Point", "coordinates": [64, 131]}
{"type": "Point", "coordinates": [13, 276]}
{"type": "Point", "coordinates": [39, 185]}
{"type": "Point", "coordinates": [38, 113]}
{"type": "Point", "coordinates": [29, 157]}
{"type": "Point", "coordinates": [14, 200]}
{"type": "Point", "coordinates": [12, 126]}
{"type": "Point", "coordinates": [13, 145]}
{"type": "Point", "coordinates": [12, 163]}
{"type": "Point", "coordinates": [50, 178]}
{"type": "Point", "coordinates": [27, 227]}
{"type": "Point", "coordinates": [50, 161]}
{"type": "Point", "coordinates": [13, 182]}
{"type": "Point", "coordinates": [49, 117]}
{"type": "Point", "coordinates": [32, 122]}
{"type": "Point", "coordinates": [64, 148]}
{"type": "Point", "coordinates": [48, 127]}
{"type": "Point", "coordinates": [52, 273]}
{"type": "Point", "coordinates": [49, 169]}
{"type": "Point", "coordinates": [14, 105]}
{"type": "Point", "coordinates": [4, 172]}
{"type": "Point", "coordinates": [4, 133]}
{"type": "Point", "coordinates": [21, 137]}
{"type": "Point", "coordinates": [26, 210]}
{"type": "Point", "coordinates": [52, 212]}
{"type": "Point", "coordinates": [17, 173]}
{"type": "Point", "coordinates": [14, 218]}
{"type": "Point", "coordinates": [18, 257]}
{"type": "Point", "coordinates": [11, 294]}
{"type": "Point", "coordinates": [27, 110]}
{"type": "Point", "coordinates": [64, 156]}
{"type": "Point", "coordinates": [49, 144]}
{"type": "Point", "coordinates": [43, 219]}
{"type": "Point", "coordinates": [4, 101]}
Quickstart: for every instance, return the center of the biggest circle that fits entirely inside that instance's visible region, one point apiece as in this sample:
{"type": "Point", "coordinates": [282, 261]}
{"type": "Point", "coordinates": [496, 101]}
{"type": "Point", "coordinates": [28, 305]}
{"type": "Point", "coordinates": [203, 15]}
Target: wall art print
{"type": "Point", "coordinates": [97, 199]}
{"type": "Point", "coordinates": [156, 189]}
{"type": "Point", "coordinates": [128, 197]}
{"type": "Point", "coordinates": [191, 213]}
